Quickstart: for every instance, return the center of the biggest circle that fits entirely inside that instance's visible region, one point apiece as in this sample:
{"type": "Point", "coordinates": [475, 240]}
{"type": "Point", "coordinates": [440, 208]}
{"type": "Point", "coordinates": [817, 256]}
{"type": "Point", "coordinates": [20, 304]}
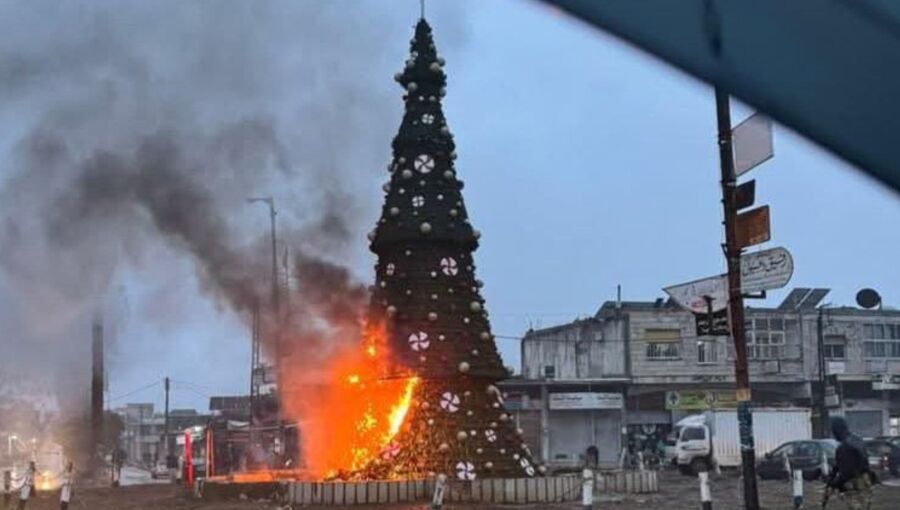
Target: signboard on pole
{"type": "Point", "coordinates": [752, 227]}
{"type": "Point", "coordinates": [694, 295]}
{"type": "Point", "coordinates": [712, 324]}
{"type": "Point", "coordinates": [766, 270]}
{"type": "Point", "coordinates": [586, 400]}
{"type": "Point", "coordinates": [752, 142]}
{"type": "Point", "coordinates": [745, 195]}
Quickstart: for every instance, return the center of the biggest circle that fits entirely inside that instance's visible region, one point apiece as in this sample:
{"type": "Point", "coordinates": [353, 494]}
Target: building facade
{"type": "Point", "coordinates": [648, 357]}
{"type": "Point", "coordinates": [144, 432]}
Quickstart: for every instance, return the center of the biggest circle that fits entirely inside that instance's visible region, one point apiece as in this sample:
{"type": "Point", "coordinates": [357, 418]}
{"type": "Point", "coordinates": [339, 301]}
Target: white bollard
{"type": "Point", "coordinates": [705, 496]}
{"type": "Point", "coordinates": [798, 488]}
{"type": "Point", "coordinates": [587, 490]}
{"type": "Point", "coordinates": [437, 501]}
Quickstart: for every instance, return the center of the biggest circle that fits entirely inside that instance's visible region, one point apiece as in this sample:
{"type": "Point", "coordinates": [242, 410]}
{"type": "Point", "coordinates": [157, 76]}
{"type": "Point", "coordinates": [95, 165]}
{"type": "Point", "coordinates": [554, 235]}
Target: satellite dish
{"type": "Point", "coordinates": [868, 298]}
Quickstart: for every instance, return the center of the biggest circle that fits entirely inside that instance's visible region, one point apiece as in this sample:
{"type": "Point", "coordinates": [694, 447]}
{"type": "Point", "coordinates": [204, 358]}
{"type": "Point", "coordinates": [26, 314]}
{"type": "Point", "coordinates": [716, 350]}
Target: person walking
{"type": "Point", "coordinates": [27, 488]}
{"type": "Point", "coordinates": [851, 475]}
{"type": "Point", "coordinates": [7, 487]}
{"type": "Point", "coordinates": [66, 482]}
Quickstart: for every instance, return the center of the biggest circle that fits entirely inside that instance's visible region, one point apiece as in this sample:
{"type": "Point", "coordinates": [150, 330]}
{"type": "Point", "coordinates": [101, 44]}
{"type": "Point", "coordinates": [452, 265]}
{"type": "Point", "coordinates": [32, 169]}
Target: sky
{"type": "Point", "coordinates": [587, 164]}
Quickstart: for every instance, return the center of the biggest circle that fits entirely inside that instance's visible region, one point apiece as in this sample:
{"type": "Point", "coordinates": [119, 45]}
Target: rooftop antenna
{"type": "Point", "coordinates": [422, 8]}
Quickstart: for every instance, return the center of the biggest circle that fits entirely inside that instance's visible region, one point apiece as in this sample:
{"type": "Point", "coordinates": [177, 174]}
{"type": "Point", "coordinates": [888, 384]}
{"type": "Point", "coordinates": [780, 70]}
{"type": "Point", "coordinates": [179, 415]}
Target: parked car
{"type": "Point", "coordinates": [159, 471]}
{"type": "Point", "coordinates": [805, 455]}
{"type": "Point", "coordinates": [884, 456]}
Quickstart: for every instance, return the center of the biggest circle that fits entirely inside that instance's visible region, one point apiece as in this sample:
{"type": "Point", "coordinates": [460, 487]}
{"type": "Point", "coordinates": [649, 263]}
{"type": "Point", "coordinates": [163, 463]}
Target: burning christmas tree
{"type": "Point", "coordinates": [427, 303]}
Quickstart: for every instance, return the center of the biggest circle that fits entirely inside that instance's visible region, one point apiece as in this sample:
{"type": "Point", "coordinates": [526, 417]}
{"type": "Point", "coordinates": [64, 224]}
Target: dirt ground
{"type": "Point", "coordinates": [677, 492]}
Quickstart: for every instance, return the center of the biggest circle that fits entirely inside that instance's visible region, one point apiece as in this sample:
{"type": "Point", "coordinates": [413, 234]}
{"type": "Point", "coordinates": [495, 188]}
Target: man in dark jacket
{"type": "Point", "coordinates": [851, 474]}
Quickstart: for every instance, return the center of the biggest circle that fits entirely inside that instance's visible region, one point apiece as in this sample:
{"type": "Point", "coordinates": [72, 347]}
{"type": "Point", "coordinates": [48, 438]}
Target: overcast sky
{"type": "Point", "coordinates": [588, 164]}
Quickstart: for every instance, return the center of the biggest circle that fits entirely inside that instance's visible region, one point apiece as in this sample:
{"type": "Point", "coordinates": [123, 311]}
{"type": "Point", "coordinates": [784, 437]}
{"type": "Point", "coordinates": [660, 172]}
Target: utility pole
{"type": "Point", "coordinates": [736, 301]}
{"type": "Point", "coordinates": [166, 422]}
{"type": "Point", "coordinates": [97, 377]}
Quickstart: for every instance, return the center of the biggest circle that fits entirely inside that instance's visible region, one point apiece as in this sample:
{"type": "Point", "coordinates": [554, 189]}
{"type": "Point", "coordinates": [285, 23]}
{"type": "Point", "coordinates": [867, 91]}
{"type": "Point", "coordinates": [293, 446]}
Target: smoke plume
{"type": "Point", "coordinates": [132, 134]}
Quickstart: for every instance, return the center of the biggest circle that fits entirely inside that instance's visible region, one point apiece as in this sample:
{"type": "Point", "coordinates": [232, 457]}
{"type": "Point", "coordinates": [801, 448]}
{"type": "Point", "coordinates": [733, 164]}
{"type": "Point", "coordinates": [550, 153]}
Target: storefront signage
{"type": "Point", "coordinates": [700, 400]}
{"type": "Point", "coordinates": [586, 400]}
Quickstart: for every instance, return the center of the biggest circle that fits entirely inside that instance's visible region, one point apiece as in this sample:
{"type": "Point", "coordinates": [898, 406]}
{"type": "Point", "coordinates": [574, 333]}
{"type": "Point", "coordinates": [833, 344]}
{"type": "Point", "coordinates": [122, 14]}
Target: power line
{"type": "Point", "coordinates": [130, 393]}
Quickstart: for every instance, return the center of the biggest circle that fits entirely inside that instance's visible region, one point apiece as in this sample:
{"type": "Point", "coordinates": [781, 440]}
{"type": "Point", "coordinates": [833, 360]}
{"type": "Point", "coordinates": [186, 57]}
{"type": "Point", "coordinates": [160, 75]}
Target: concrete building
{"type": "Point", "coordinates": [623, 377]}
{"type": "Point", "coordinates": [142, 438]}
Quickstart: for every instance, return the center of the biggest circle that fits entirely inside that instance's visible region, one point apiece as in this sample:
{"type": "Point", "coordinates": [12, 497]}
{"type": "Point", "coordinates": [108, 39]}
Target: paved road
{"type": "Point", "coordinates": [677, 493]}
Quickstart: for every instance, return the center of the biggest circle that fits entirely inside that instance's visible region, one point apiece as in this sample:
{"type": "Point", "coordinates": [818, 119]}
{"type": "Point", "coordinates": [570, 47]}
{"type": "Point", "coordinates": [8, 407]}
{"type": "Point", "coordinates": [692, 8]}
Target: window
{"type": "Point", "coordinates": [707, 351]}
{"type": "Point", "coordinates": [765, 337]}
{"type": "Point", "coordinates": [881, 340]}
{"type": "Point", "coordinates": [693, 434]}
{"type": "Point", "coordinates": [549, 372]}
{"type": "Point", "coordinates": [835, 347]}
{"type": "Point", "coordinates": [894, 425]}
{"type": "Point", "coordinates": [663, 344]}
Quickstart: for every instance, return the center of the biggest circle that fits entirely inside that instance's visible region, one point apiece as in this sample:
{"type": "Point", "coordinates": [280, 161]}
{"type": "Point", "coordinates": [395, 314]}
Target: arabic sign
{"type": "Point", "coordinates": [765, 270]}
{"type": "Point", "coordinates": [586, 400]}
{"type": "Point", "coordinates": [752, 227]}
{"type": "Point", "coordinates": [700, 400]}
{"type": "Point", "coordinates": [752, 141]}
{"type": "Point", "coordinates": [712, 324]}
{"type": "Point", "coordinates": [693, 295]}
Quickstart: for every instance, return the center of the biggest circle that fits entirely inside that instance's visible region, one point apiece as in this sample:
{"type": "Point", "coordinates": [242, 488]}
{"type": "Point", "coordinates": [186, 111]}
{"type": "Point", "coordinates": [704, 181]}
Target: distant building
{"type": "Point", "coordinates": [647, 359]}
{"type": "Point", "coordinates": [142, 438]}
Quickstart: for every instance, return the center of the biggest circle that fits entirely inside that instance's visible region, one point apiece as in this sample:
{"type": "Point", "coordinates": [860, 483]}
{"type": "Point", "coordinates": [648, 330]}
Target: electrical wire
{"type": "Point", "coordinates": [130, 393]}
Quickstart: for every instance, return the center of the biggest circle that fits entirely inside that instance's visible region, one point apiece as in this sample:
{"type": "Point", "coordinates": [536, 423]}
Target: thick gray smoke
{"type": "Point", "coordinates": [132, 132]}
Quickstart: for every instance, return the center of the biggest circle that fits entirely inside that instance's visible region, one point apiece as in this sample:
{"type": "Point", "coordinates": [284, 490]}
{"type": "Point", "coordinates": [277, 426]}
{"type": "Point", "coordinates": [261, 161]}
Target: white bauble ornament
{"type": "Point", "coordinates": [475, 306]}
{"type": "Point", "coordinates": [461, 435]}
{"type": "Point", "coordinates": [520, 431]}
{"type": "Point", "coordinates": [441, 338]}
{"type": "Point", "coordinates": [502, 451]}
{"type": "Point", "coordinates": [495, 405]}
{"type": "Point", "coordinates": [435, 67]}
{"type": "Point", "coordinates": [485, 335]}
{"type": "Point", "coordinates": [489, 465]}
{"type": "Point", "coordinates": [476, 234]}
{"type": "Point", "coordinates": [441, 61]}
{"type": "Point", "coordinates": [391, 310]}
{"type": "Point", "coordinates": [395, 211]}
{"type": "Point", "coordinates": [454, 213]}
{"type": "Point", "coordinates": [445, 130]}
{"type": "Point", "coordinates": [407, 173]}
{"type": "Point", "coordinates": [448, 174]}
{"type": "Point", "coordinates": [503, 417]}
{"type": "Point", "coordinates": [386, 187]}
{"type": "Point", "coordinates": [398, 77]}
{"type": "Point", "coordinates": [425, 228]}
{"type": "Point", "coordinates": [412, 87]}
{"type": "Point", "coordinates": [470, 413]}
{"type": "Point", "coordinates": [432, 316]}
{"type": "Point", "coordinates": [542, 468]}
{"type": "Point", "coordinates": [401, 160]}
{"type": "Point", "coordinates": [463, 367]}
{"type": "Point", "coordinates": [475, 352]}
{"type": "Point", "coordinates": [516, 456]}
{"type": "Point", "coordinates": [371, 235]}
{"type": "Point", "coordinates": [444, 447]}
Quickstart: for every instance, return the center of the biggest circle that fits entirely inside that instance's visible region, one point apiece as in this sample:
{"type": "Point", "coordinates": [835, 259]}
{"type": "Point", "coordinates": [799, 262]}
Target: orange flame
{"type": "Point", "coordinates": [353, 417]}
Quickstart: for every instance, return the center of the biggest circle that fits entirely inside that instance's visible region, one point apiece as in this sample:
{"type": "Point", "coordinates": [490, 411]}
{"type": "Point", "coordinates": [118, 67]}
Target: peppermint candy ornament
{"type": "Point", "coordinates": [465, 470]}
{"type": "Point", "coordinates": [526, 465]}
{"type": "Point", "coordinates": [419, 341]}
{"type": "Point", "coordinates": [449, 266]}
{"type": "Point", "coordinates": [424, 163]}
{"type": "Point", "coordinates": [490, 435]}
{"type": "Point", "coordinates": [427, 118]}
{"type": "Point", "coordinates": [450, 402]}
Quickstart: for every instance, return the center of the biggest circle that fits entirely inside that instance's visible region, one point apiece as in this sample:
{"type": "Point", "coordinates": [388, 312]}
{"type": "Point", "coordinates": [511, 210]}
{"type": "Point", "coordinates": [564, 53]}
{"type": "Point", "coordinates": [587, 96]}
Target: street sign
{"type": "Point", "coordinates": [752, 142]}
{"type": "Point", "coordinates": [744, 195]}
{"type": "Point", "coordinates": [712, 324]}
{"type": "Point", "coordinates": [693, 295]}
{"type": "Point", "coordinates": [766, 270]}
{"type": "Point", "coordinates": [752, 227]}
